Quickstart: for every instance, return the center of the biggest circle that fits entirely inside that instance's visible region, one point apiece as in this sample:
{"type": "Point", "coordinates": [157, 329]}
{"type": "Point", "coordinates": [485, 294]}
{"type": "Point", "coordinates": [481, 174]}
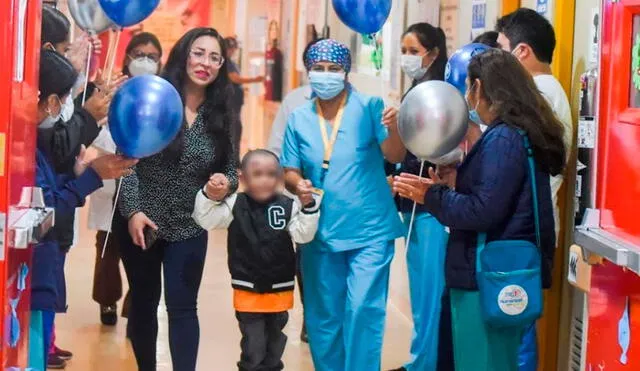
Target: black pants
{"type": "Point", "coordinates": [182, 264]}
{"type": "Point", "coordinates": [263, 341]}
{"type": "Point", "coordinates": [445, 337]}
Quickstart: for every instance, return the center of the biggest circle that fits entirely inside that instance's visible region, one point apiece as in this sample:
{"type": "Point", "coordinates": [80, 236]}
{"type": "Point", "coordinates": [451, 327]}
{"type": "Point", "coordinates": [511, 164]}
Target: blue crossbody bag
{"type": "Point", "coordinates": [509, 272]}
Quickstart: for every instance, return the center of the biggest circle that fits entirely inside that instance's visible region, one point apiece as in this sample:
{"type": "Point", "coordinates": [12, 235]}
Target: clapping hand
{"type": "Point", "coordinates": [414, 187]}
{"type": "Point", "coordinates": [81, 164]}
{"type": "Point", "coordinates": [390, 117]}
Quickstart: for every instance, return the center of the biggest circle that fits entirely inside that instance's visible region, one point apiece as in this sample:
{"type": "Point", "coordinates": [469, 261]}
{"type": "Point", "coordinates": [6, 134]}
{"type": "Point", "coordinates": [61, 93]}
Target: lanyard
{"type": "Point", "coordinates": [329, 143]}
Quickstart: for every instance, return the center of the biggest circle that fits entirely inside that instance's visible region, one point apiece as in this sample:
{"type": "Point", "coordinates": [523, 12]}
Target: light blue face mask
{"type": "Point", "coordinates": [326, 85]}
{"type": "Point", "coordinates": [473, 113]}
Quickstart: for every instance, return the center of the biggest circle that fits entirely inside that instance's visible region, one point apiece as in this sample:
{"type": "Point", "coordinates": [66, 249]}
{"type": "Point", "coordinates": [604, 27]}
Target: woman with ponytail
{"type": "Point", "coordinates": [424, 58]}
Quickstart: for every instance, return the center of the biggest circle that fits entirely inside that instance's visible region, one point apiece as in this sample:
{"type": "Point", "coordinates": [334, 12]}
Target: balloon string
{"type": "Point", "coordinates": [113, 56]}
{"type": "Point", "coordinates": [109, 51]}
{"type": "Point", "coordinates": [86, 76]}
{"type": "Point", "coordinates": [113, 212]}
{"type": "Point", "coordinates": [413, 212]}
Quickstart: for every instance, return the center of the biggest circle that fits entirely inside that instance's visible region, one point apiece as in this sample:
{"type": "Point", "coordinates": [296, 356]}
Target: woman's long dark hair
{"type": "Point", "coordinates": [142, 38]}
{"type": "Point", "coordinates": [219, 117]}
{"type": "Point", "coordinates": [514, 97]}
{"type": "Point", "coordinates": [55, 26]}
{"type": "Point", "coordinates": [431, 37]}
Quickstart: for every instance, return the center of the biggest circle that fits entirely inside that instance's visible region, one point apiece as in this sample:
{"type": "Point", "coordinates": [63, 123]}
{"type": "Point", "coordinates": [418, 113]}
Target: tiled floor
{"type": "Point", "coordinates": [99, 348]}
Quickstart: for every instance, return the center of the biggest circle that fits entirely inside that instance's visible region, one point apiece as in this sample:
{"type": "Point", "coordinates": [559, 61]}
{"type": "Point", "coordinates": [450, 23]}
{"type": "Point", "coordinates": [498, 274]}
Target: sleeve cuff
{"type": "Point", "coordinates": [88, 182]}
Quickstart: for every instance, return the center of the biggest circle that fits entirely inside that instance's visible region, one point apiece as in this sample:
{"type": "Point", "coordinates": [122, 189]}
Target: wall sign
{"type": "Point", "coordinates": [478, 18]}
{"type": "Point", "coordinates": [542, 7]}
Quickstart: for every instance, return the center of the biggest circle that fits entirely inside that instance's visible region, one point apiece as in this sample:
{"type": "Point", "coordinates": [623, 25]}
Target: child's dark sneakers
{"type": "Point", "coordinates": [109, 314]}
{"type": "Point", "coordinates": [63, 354]}
{"type": "Point", "coordinates": [55, 363]}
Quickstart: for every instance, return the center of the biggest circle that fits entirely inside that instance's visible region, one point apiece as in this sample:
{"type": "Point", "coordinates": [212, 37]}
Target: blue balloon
{"type": "Point", "coordinates": [126, 13]}
{"type": "Point", "coordinates": [456, 71]}
{"type": "Point", "coordinates": [363, 16]}
{"type": "Point", "coordinates": [145, 115]}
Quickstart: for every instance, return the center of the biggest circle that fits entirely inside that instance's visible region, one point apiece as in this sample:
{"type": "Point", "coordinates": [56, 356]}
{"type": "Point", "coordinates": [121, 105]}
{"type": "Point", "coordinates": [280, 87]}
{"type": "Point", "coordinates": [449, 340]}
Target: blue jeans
{"type": "Point", "coordinates": [182, 263]}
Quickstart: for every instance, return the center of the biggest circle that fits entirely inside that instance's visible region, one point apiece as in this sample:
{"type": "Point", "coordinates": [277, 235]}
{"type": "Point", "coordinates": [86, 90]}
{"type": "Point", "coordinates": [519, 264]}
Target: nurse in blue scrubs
{"type": "Point", "coordinates": [424, 58]}
{"type": "Point", "coordinates": [337, 143]}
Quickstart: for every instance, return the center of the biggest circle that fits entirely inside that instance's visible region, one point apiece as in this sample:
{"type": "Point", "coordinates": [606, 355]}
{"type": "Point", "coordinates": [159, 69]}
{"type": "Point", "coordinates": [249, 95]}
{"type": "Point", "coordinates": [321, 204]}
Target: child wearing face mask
{"type": "Point", "coordinates": [63, 193]}
{"type": "Point", "coordinates": [261, 223]}
{"type": "Point", "coordinates": [142, 57]}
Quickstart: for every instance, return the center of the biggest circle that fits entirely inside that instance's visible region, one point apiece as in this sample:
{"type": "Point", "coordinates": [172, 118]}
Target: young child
{"type": "Point", "coordinates": [261, 223]}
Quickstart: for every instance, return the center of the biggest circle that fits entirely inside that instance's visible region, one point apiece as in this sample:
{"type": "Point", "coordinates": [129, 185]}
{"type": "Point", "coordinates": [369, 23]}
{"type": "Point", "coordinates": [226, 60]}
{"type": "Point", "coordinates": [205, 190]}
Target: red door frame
{"type": "Point", "coordinates": [615, 191]}
{"type": "Point", "coordinates": [18, 109]}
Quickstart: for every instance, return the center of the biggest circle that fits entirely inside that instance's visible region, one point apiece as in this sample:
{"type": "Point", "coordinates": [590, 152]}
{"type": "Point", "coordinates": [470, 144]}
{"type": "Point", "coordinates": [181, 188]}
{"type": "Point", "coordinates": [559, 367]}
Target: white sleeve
{"type": "Point", "coordinates": [211, 214]}
{"type": "Point", "coordinates": [304, 223]}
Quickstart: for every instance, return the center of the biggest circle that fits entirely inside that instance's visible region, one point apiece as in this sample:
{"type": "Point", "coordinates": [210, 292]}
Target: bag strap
{"type": "Point", "coordinates": [534, 185]}
{"type": "Point", "coordinates": [531, 165]}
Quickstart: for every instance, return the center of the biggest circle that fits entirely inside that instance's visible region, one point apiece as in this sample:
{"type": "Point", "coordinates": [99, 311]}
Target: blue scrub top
{"type": "Point", "coordinates": [358, 208]}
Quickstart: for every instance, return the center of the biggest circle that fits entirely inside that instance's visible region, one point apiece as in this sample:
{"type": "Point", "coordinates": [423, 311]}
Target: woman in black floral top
{"type": "Point", "coordinates": [160, 196]}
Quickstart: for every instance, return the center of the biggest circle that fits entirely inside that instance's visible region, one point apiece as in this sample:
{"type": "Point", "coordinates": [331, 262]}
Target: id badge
{"type": "Point", "coordinates": [317, 195]}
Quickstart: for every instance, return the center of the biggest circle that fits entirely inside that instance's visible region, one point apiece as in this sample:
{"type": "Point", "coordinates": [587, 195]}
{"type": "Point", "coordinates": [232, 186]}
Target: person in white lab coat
{"type": "Point", "coordinates": [143, 55]}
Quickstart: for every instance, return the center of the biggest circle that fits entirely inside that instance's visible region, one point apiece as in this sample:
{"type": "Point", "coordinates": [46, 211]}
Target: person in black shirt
{"type": "Point", "coordinates": [261, 222]}
{"type": "Point", "coordinates": [157, 199]}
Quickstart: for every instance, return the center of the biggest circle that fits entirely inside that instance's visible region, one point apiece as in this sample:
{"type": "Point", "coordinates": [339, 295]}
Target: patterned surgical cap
{"type": "Point", "coordinates": [329, 50]}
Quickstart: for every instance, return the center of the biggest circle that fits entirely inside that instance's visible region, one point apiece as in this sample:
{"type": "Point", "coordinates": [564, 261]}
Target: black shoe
{"type": "Point", "coordinates": [109, 314]}
{"type": "Point", "coordinates": [55, 363]}
{"type": "Point", "coordinates": [62, 354]}
{"type": "Point", "coordinates": [303, 335]}
{"type": "Point", "coordinates": [399, 369]}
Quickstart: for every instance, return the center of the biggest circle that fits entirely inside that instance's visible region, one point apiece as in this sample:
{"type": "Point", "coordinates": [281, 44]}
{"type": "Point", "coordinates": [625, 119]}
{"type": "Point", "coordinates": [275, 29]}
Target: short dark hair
{"type": "Point", "coordinates": [257, 153]}
{"type": "Point", "coordinates": [489, 38]}
{"type": "Point", "coordinates": [230, 42]}
{"type": "Point", "coordinates": [529, 27]}
{"type": "Point", "coordinates": [57, 75]}
{"type": "Point", "coordinates": [55, 26]}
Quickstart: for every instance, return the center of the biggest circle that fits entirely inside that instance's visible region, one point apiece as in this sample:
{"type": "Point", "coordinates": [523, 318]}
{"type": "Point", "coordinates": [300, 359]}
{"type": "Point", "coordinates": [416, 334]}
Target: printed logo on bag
{"type": "Point", "coordinates": [277, 219]}
{"type": "Point", "coordinates": [513, 300]}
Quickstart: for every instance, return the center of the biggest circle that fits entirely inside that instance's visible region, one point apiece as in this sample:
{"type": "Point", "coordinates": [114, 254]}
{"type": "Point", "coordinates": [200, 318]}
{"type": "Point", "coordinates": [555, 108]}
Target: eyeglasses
{"type": "Point", "coordinates": [201, 56]}
{"type": "Point", "coordinates": [152, 56]}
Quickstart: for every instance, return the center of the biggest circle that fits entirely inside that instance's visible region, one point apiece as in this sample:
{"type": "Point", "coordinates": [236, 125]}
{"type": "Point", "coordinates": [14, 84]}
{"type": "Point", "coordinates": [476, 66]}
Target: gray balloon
{"type": "Point", "coordinates": [433, 119]}
{"type": "Point", "coordinates": [89, 16]}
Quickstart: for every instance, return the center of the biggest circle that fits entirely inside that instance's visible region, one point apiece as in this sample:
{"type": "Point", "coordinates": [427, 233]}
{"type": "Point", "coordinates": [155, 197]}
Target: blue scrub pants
{"type": "Point", "coordinates": [345, 305]}
{"type": "Point", "coordinates": [477, 346]}
{"type": "Point", "coordinates": [425, 265]}
{"type": "Point", "coordinates": [40, 329]}
{"type": "Point", "coordinates": [528, 352]}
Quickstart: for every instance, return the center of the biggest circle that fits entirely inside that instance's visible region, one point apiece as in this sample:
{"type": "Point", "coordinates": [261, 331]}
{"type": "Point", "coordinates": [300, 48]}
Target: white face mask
{"type": "Point", "coordinates": [143, 66]}
{"type": "Point", "coordinates": [412, 66]}
{"type": "Point", "coordinates": [50, 120]}
{"type": "Point", "coordinates": [67, 109]}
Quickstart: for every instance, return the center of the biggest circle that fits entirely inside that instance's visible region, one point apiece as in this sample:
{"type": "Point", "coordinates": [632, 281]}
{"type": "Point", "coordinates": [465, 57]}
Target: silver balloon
{"type": "Point", "coordinates": [433, 119]}
{"type": "Point", "coordinates": [89, 16]}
